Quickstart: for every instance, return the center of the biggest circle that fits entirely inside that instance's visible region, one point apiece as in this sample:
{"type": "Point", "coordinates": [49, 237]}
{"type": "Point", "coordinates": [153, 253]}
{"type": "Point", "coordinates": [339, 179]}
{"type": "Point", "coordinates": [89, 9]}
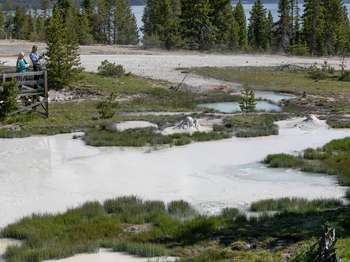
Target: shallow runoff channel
{"type": "Point", "coordinates": [53, 173]}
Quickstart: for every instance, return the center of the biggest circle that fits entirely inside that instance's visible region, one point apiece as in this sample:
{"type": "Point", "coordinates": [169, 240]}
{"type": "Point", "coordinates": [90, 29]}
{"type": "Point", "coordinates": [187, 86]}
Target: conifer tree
{"type": "Point", "coordinates": [257, 27]}
{"type": "Point", "coordinates": [248, 100]}
{"type": "Point", "coordinates": [85, 23]}
{"type": "Point", "coordinates": [240, 19]}
{"type": "Point", "coordinates": [313, 26]}
{"type": "Point", "coordinates": [88, 11]}
{"type": "Point", "coordinates": [85, 31]}
{"type": "Point", "coordinates": [284, 29]}
{"type": "Point", "coordinates": [170, 23]}
{"type": "Point", "coordinates": [269, 29]}
{"type": "Point", "coordinates": [295, 22]}
{"type": "Point", "coordinates": [336, 23]}
{"type": "Point", "coordinates": [100, 24]}
{"type": "Point", "coordinates": [197, 28]}
{"type": "Point", "coordinates": [19, 23]}
{"type": "Point", "coordinates": [233, 36]}
{"type": "Point", "coordinates": [63, 63]}
{"type": "Point", "coordinates": [222, 19]}
{"type": "Point", "coordinates": [125, 29]}
{"type": "Point", "coordinates": [2, 23]}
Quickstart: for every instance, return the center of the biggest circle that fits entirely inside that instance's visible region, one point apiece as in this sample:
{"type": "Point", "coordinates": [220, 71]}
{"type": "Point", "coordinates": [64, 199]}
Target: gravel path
{"type": "Point", "coordinates": [162, 65]}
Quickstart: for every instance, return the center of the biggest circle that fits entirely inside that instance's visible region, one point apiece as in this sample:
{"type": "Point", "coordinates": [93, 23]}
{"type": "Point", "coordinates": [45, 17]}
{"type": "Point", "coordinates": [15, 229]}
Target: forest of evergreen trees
{"type": "Point", "coordinates": [95, 21]}
{"type": "Point", "coordinates": [322, 28]}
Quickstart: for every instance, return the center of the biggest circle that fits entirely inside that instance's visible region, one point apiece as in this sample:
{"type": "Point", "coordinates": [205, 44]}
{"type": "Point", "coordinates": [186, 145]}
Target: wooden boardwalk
{"type": "Point", "coordinates": [33, 90]}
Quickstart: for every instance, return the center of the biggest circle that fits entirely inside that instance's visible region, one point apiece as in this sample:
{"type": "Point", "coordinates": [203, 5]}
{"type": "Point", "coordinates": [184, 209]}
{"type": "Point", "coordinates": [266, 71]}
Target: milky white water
{"type": "Point", "coordinates": [50, 174]}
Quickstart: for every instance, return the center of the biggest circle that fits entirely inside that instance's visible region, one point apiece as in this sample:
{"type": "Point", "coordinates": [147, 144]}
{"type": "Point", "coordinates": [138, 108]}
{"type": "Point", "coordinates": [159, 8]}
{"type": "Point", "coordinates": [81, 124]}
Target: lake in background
{"type": "Point", "coordinates": [138, 11]}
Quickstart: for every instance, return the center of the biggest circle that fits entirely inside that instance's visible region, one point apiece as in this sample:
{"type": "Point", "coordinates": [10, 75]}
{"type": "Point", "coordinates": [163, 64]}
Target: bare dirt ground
{"type": "Point", "coordinates": [163, 65]}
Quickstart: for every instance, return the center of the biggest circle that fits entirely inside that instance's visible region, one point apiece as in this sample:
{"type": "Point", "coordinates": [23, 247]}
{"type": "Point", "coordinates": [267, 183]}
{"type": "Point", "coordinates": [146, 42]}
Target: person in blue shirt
{"type": "Point", "coordinates": [22, 65]}
{"type": "Point", "coordinates": [35, 58]}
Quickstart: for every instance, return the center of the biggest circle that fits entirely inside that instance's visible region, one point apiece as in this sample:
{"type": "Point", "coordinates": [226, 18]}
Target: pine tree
{"type": "Point", "coordinates": [2, 23]}
{"type": "Point", "coordinates": [85, 23]}
{"type": "Point", "coordinates": [63, 63]}
{"type": "Point", "coordinates": [19, 23]}
{"type": "Point", "coordinates": [100, 22]}
{"type": "Point", "coordinates": [269, 29]}
{"type": "Point", "coordinates": [336, 24]}
{"type": "Point", "coordinates": [40, 28]}
{"type": "Point", "coordinates": [240, 19]}
{"type": "Point", "coordinates": [257, 27]}
{"type": "Point", "coordinates": [222, 19]}
{"type": "Point", "coordinates": [295, 23]}
{"type": "Point", "coordinates": [125, 30]}
{"type": "Point", "coordinates": [197, 28]}
{"type": "Point", "coordinates": [88, 11]}
{"type": "Point", "coordinates": [284, 29]}
{"type": "Point", "coordinates": [248, 100]}
{"type": "Point", "coordinates": [314, 25]}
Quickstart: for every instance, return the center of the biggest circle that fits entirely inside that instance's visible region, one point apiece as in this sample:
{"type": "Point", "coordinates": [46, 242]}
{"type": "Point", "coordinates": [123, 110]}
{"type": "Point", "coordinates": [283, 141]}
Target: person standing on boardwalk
{"type": "Point", "coordinates": [35, 58]}
{"type": "Point", "coordinates": [22, 65]}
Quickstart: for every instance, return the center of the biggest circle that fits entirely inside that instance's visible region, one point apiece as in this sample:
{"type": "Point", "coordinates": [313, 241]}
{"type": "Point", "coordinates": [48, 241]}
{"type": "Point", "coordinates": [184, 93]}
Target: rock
{"type": "Point", "coordinates": [137, 229]}
{"type": "Point", "coordinates": [241, 246]}
{"type": "Point", "coordinates": [122, 126]}
{"type": "Point", "coordinates": [11, 128]}
{"type": "Point", "coordinates": [311, 122]}
{"type": "Point", "coordinates": [188, 123]}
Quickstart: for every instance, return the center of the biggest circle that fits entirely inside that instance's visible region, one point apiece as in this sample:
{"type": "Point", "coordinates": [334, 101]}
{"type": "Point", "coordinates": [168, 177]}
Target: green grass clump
{"type": "Point", "coordinates": [181, 209]}
{"type": "Point", "coordinates": [295, 204]}
{"type": "Point", "coordinates": [146, 137]}
{"type": "Point", "coordinates": [332, 159]}
{"type": "Point", "coordinates": [283, 161]}
{"type": "Point", "coordinates": [132, 209]}
{"type": "Point", "coordinates": [133, 138]}
{"type": "Point", "coordinates": [137, 249]}
{"type": "Point", "coordinates": [252, 125]}
{"type": "Point", "coordinates": [338, 123]}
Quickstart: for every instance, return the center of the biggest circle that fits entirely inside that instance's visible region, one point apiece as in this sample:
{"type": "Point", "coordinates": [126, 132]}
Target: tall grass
{"type": "Point", "coordinates": [283, 161]}
{"type": "Point", "coordinates": [181, 209]}
{"type": "Point", "coordinates": [146, 137]}
{"type": "Point", "coordinates": [331, 159]}
{"type": "Point", "coordinates": [252, 125]}
{"type": "Point", "coordinates": [295, 204]}
{"type": "Point", "coordinates": [136, 249]}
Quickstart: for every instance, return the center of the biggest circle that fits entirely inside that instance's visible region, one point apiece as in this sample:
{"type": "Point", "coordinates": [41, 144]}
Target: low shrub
{"type": "Point", "coordinates": [181, 209]}
{"type": "Point", "coordinates": [197, 229]}
{"type": "Point", "coordinates": [314, 154]}
{"type": "Point", "coordinates": [106, 108]}
{"type": "Point", "coordinates": [294, 204]}
{"type": "Point", "coordinates": [132, 138]}
{"type": "Point", "coordinates": [298, 49]}
{"type": "Point", "coordinates": [111, 69]}
{"type": "Point", "coordinates": [202, 136]}
{"type": "Point", "coordinates": [273, 131]}
{"type": "Point", "coordinates": [137, 249]}
{"type": "Point", "coordinates": [146, 137]}
{"type": "Point", "coordinates": [8, 98]}
{"type": "Point", "coordinates": [283, 161]}
{"type": "Point", "coordinates": [230, 214]}
{"type": "Point", "coordinates": [251, 125]}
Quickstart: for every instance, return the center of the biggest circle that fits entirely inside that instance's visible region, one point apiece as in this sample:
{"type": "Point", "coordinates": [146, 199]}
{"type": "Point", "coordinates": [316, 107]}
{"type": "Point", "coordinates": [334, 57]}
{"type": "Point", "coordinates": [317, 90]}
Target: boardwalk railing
{"type": "Point", "coordinates": [32, 89]}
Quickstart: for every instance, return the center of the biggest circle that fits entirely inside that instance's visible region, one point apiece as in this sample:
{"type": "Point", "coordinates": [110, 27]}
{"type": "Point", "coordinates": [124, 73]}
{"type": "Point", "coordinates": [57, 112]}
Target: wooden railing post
{"type": "Point", "coordinates": [46, 91]}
